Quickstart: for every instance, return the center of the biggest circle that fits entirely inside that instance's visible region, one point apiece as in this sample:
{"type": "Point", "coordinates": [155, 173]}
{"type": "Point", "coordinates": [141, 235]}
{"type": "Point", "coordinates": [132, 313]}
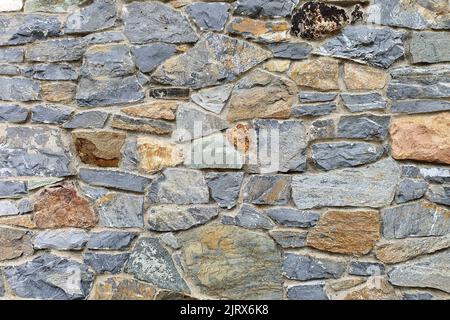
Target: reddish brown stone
{"type": "Point", "coordinates": [240, 137]}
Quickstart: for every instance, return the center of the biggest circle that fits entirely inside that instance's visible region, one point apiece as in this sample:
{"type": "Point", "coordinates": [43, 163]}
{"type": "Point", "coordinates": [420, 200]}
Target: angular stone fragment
{"type": "Point", "coordinates": [366, 126]}
{"type": "Point", "coordinates": [377, 47]}
{"type": "Point", "coordinates": [8, 208]}
{"type": "Point", "coordinates": [225, 187]}
{"type": "Point", "coordinates": [54, 114]}
{"type": "Point", "coordinates": [114, 179]}
{"type": "Point", "coordinates": [104, 37]}
{"type": "Point", "coordinates": [12, 189]}
{"type": "Point", "coordinates": [410, 189]}
{"type": "Point", "coordinates": [121, 210]}
{"type": "Point", "coordinates": [15, 244]}
{"type": "Point", "coordinates": [261, 95]}
{"type": "Point", "coordinates": [102, 149]}
{"type": "Point", "coordinates": [290, 217]}
{"type": "Point", "coordinates": [430, 47]}
{"type": "Point", "coordinates": [62, 239]}
{"type": "Point", "coordinates": [307, 292]}
{"type": "Point", "coordinates": [153, 21]}
{"type": "Point", "coordinates": [368, 291]}
{"type": "Point", "coordinates": [289, 238]}
{"type": "Point", "coordinates": [249, 263]}
{"type": "Point", "coordinates": [170, 93]}
{"type": "Point", "coordinates": [23, 221]}
{"type": "Point", "coordinates": [148, 57]}
{"type": "Point", "coordinates": [362, 77]}
{"type": "Point", "coordinates": [106, 262]}
{"type": "Point", "coordinates": [54, 6]}
{"type": "Point", "coordinates": [158, 109]}
{"type": "Point", "coordinates": [110, 240]}
{"type": "Point", "coordinates": [428, 138]}
{"type": "Point", "coordinates": [87, 120]}
{"type": "Point", "coordinates": [213, 99]}
{"type": "Point", "coordinates": [70, 49]}
{"type": "Point", "coordinates": [363, 102]}
{"type": "Point", "coordinates": [319, 73]}
{"type": "Point", "coordinates": [314, 96]}
{"type": "Point", "coordinates": [6, 6]}
{"type": "Point", "coordinates": [427, 272]}
{"type": "Point", "coordinates": [439, 194]}
{"type": "Point", "coordinates": [259, 30]}
{"type": "Point", "coordinates": [436, 174]}
{"type": "Point", "coordinates": [420, 106]}
{"type": "Point", "coordinates": [152, 263]}
{"type": "Point", "coordinates": [329, 156]}
{"type": "Point", "coordinates": [395, 251]}
{"type": "Point", "coordinates": [249, 217]}
{"type": "Point", "coordinates": [175, 218]}
{"type": "Point", "coordinates": [417, 219]}
{"type": "Point", "coordinates": [322, 129]}
{"type": "Point", "coordinates": [370, 186]}
{"type": "Point", "coordinates": [54, 72]}
{"type": "Point", "coordinates": [263, 8]}
{"type": "Point", "coordinates": [214, 59]}
{"type": "Point", "coordinates": [209, 16]}
{"type": "Point", "coordinates": [155, 155]}
{"type": "Point", "coordinates": [118, 288]}
{"type": "Point", "coordinates": [14, 55]}
{"type": "Point", "coordinates": [19, 89]}
{"type": "Point", "coordinates": [141, 125]}
{"type": "Point", "coordinates": [99, 15]}
{"type": "Point", "coordinates": [346, 232]}
{"type": "Point", "coordinates": [269, 190]}
{"type": "Point", "coordinates": [61, 92]}
{"type": "Point", "coordinates": [366, 268]}
{"type": "Point", "coordinates": [107, 61]}
{"type": "Point", "coordinates": [170, 240]}
{"type": "Point", "coordinates": [314, 110]}
{"type": "Point", "coordinates": [302, 267]}
{"type": "Point", "coordinates": [179, 186]}
{"type": "Point", "coordinates": [50, 277]}
{"type": "Point", "coordinates": [293, 51]}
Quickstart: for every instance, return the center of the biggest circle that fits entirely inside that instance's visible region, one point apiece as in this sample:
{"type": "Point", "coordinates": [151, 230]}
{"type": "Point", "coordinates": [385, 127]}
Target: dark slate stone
{"type": "Point", "coordinates": [410, 189]}
{"type": "Point", "coordinates": [411, 171]}
{"type": "Point", "coordinates": [19, 89]}
{"type": "Point", "coordinates": [313, 110]}
{"type": "Point", "coordinates": [12, 189]}
{"type": "Point", "coordinates": [104, 37]}
{"type": "Point", "coordinates": [307, 292]}
{"type": "Point", "coordinates": [114, 179]}
{"type": "Point", "coordinates": [153, 21]}
{"type": "Point", "coordinates": [26, 28]}
{"type": "Point", "coordinates": [289, 238]}
{"type": "Point", "coordinates": [99, 15]}
{"type": "Point", "coordinates": [268, 189]}
{"type": "Point", "coordinates": [70, 49]}
{"type": "Point", "coordinates": [51, 114]}
{"type": "Point", "coordinates": [170, 93]}
{"type": "Point", "coordinates": [366, 269]}
{"type": "Point", "coordinates": [293, 51]}
{"type": "Point", "coordinates": [302, 267]}
{"type": "Point", "coordinates": [96, 93]}
{"type": "Point", "coordinates": [377, 47]}
{"type": "Point", "coordinates": [14, 55]}
{"type": "Point", "coordinates": [87, 120]}
{"type": "Point", "coordinates": [439, 194]}
{"type": "Point", "coordinates": [420, 106]}
{"type": "Point", "coordinates": [13, 113]}
{"type": "Point", "coordinates": [225, 187]}
{"type": "Point", "coordinates": [249, 217]}
{"type": "Point", "coordinates": [110, 240]}
{"type": "Point", "coordinates": [418, 296]}
{"type": "Point", "coordinates": [141, 125]}
{"type": "Point", "coordinates": [148, 57]}
{"type": "Point", "coordinates": [265, 8]}
{"type": "Point", "coordinates": [2, 286]}
{"type": "Point", "coordinates": [106, 262]}
{"type": "Point", "coordinates": [50, 277]}
{"type": "Point", "coordinates": [54, 72]}
{"type": "Point", "coordinates": [367, 127]}
{"type": "Point", "coordinates": [308, 97]}
{"type": "Point", "coordinates": [329, 156]}
{"type": "Point", "coordinates": [290, 217]}
{"type": "Point", "coordinates": [209, 16]}
{"type": "Point", "coordinates": [363, 102]}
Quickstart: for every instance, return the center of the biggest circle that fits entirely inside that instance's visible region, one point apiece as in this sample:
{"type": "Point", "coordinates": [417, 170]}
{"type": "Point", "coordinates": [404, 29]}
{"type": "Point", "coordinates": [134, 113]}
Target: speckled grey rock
{"type": "Point", "coordinates": [93, 193]}
{"type": "Point", "coordinates": [249, 217]}
{"type": "Point", "coordinates": [50, 277]}
{"type": "Point", "coordinates": [54, 72]}
{"type": "Point", "coordinates": [110, 240]}
{"type": "Point", "coordinates": [213, 99]}
{"type": "Point", "coordinates": [13, 113]}
{"type": "Point", "coordinates": [225, 187]}
{"type": "Point", "coordinates": [291, 217]}
{"type": "Point", "coordinates": [56, 50]}
{"type": "Point", "coordinates": [106, 262]}
{"type": "Point", "coordinates": [368, 186]}
{"type": "Point", "coordinates": [130, 158]}
{"type": "Point", "coordinates": [179, 186]}
{"type": "Point", "coordinates": [308, 97]}
{"type": "Point", "coordinates": [307, 292]}
{"type": "Point", "coordinates": [439, 194]}
{"type": "Point", "coordinates": [104, 37]}
{"type": "Point", "coordinates": [265, 8]}
{"type": "Point", "coordinates": [267, 189]}
{"type": "Point", "coordinates": [148, 57]}
{"type": "Point", "coordinates": [410, 189]}
{"type": "Point", "coordinates": [302, 267]}
{"type": "Point", "coordinates": [289, 238]}
{"type": "Point", "coordinates": [313, 110]}
{"type": "Point", "coordinates": [436, 174]}
{"type": "Point", "coordinates": [61, 239]}
{"type": "Point", "coordinates": [50, 114]}
{"type": "Point", "coordinates": [367, 127]}
{"type": "Point", "coordinates": [153, 21]}
{"type": "Point", "coordinates": [169, 239]}
{"type": "Point", "coordinates": [115, 179]}
{"type": "Point", "coordinates": [293, 51]}
{"type": "Point", "coordinates": [209, 16]}
{"type": "Point", "coordinates": [25, 206]}
{"type": "Point", "coordinates": [151, 262]}
{"type": "Point", "coordinates": [11, 55]}
{"type": "Point", "coordinates": [87, 120]}
{"type": "Point", "coordinates": [329, 156]}
{"type": "Point", "coordinates": [420, 106]}
{"type": "Point", "coordinates": [121, 210]}
{"type": "Point", "coordinates": [363, 102]}
{"type": "Point", "coordinates": [417, 219]}
{"type": "Point", "coordinates": [418, 296]}
{"type": "Point", "coordinates": [99, 15]}
{"type": "Point", "coordinates": [366, 269]}
{"type": "Point", "coordinates": [322, 129]}
{"type": "Point", "coordinates": [430, 47]}
{"type": "Point", "coordinates": [19, 89]}
{"type": "Point", "coordinates": [377, 47]}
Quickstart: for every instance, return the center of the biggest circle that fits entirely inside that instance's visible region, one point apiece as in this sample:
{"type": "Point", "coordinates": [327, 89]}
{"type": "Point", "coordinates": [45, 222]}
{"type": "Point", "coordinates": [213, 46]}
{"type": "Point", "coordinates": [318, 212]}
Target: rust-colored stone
{"type": "Point", "coordinates": [423, 138]}
{"type": "Point", "coordinates": [163, 110]}
{"type": "Point", "coordinates": [60, 206]}
{"type": "Point", "coordinates": [376, 288]}
{"type": "Point", "coordinates": [240, 137]}
{"type": "Point", "coordinates": [15, 243]}
{"type": "Point", "coordinates": [118, 288]}
{"type": "Point", "coordinates": [361, 77]}
{"type": "Point", "coordinates": [99, 148]}
{"type": "Point", "coordinates": [347, 232]}
{"type": "Point", "coordinates": [155, 155]}
{"type": "Point", "coordinates": [320, 73]}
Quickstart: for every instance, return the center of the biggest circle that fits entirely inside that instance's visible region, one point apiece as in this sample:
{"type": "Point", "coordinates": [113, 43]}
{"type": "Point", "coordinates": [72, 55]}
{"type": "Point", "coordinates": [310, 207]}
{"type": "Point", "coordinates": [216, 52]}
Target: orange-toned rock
{"type": "Point", "coordinates": [240, 137]}
{"type": "Point", "coordinates": [362, 77]}
{"type": "Point", "coordinates": [102, 149]}
{"type": "Point", "coordinates": [260, 30]}
{"type": "Point", "coordinates": [155, 155]}
{"type": "Point", "coordinates": [376, 288]}
{"type": "Point", "coordinates": [162, 109]}
{"type": "Point", "coordinates": [22, 221]}
{"type": "Point", "coordinates": [320, 73]}
{"type": "Point", "coordinates": [347, 232]}
{"type": "Point", "coordinates": [423, 138]}
{"type": "Point", "coordinates": [118, 288]}
{"type": "Point", "coordinates": [62, 92]}
{"type": "Point", "coordinates": [60, 206]}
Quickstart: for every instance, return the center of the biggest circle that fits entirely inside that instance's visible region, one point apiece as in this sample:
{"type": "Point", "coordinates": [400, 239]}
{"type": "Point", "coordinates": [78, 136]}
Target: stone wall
{"type": "Point", "coordinates": [249, 149]}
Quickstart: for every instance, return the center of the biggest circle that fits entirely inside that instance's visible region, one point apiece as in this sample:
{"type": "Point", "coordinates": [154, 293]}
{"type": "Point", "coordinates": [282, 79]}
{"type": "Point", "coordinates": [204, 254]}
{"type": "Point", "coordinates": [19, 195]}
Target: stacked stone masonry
{"type": "Point", "coordinates": [106, 106]}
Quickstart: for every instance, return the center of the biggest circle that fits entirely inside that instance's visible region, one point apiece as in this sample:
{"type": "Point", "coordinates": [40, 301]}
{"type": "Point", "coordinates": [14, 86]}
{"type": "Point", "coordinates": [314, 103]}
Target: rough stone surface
{"type": "Point", "coordinates": [63, 239]}
{"type": "Point", "coordinates": [364, 102]}
{"type": "Point", "coordinates": [430, 47]}
{"type": "Point", "coordinates": [110, 240]}
{"type": "Point", "coordinates": [106, 262]}
{"type": "Point", "coordinates": [289, 238]}
{"type": "Point", "coordinates": [15, 244]}
{"type": "Point", "coordinates": [319, 74]}
{"type": "Point", "coordinates": [259, 30]}
{"type": "Point", "coordinates": [225, 187]}
{"type": "Point", "coordinates": [118, 288]}
{"type": "Point", "coordinates": [290, 217]}
{"type": "Point", "coordinates": [141, 125]}
{"type": "Point", "coordinates": [114, 179]}
{"type": "Point", "coordinates": [249, 217]}
{"type": "Point", "coordinates": [12, 189]}
{"type": "Point", "coordinates": [267, 189]}
{"type": "Point", "coordinates": [57, 6]}
{"type": "Point", "coordinates": [367, 127]}
{"type": "Point", "coordinates": [314, 110]}
{"type": "Point", "coordinates": [50, 114]}
{"type": "Point", "coordinates": [420, 106]}
{"type": "Point", "coordinates": [69, 49]}
{"type": "Point", "coordinates": [87, 120]}
{"type": "Point", "coordinates": [261, 8]}
{"type": "Point", "coordinates": [439, 194]}
{"type": "Point", "coordinates": [249, 263]}
{"type": "Point", "coordinates": [303, 267]}
{"type": "Point", "coordinates": [293, 51]}
{"type": "Point", "coordinates": [155, 155]}
{"type": "Point", "coordinates": [361, 77]}
{"type": "Point", "coordinates": [369, 186]}
{"type": "Point", "coordinates": [99, 15]}
{"type": "Point", "coordinates": [410, 189]}
{"type": "Point", "coordinates": [19, 89]}
{"type": "Point", "coordinates": [213, 99]}
{"type": "Point", "coordinates": [11, 5]}
{"type": "Point", "coordinates": [121, 210]}
{"type": "Point", "coordinates": [209, 16]}
{"type": "Point", "coordinates": [61, 72]}
{"type": "Point", "coordinates": [307, 292]}
{"type": "Point", "coordinates": [366, 269]}
{"type": "Point", "coordinates": [160, 110]}
{"type": "Point", "coordinates": [150, 56]}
